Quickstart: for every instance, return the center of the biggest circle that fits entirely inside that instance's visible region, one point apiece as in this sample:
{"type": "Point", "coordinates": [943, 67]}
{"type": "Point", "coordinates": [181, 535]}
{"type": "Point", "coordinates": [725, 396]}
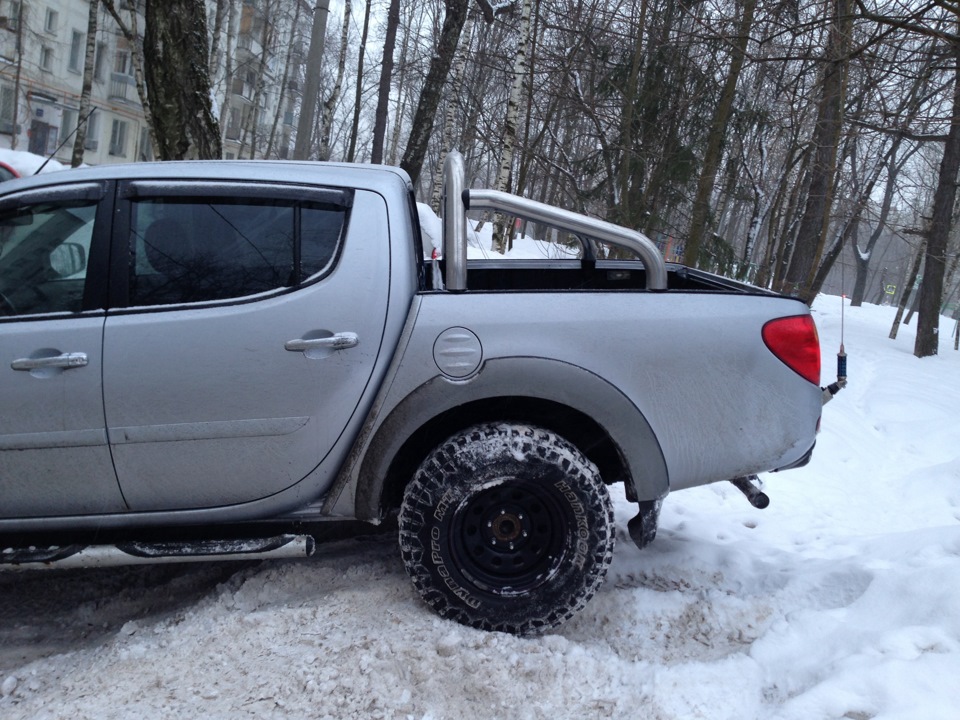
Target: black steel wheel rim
{"type": "Point", "coordinates": [508, 539]}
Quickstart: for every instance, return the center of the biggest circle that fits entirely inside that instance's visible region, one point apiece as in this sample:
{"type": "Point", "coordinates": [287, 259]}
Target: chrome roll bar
{"type": "Point", "coordinates": [457, 200]}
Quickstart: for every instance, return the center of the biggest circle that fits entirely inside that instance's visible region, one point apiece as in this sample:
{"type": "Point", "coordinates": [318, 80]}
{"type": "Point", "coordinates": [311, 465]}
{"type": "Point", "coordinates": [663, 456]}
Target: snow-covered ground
{"type": "Point", "coordinates": [839, 601]}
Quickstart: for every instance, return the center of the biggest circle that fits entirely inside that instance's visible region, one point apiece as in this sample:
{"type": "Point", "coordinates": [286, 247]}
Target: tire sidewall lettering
{"type": "Point", "coordinates": [581, 523]}
{"type": "Point", "coordinates": [437, 558]}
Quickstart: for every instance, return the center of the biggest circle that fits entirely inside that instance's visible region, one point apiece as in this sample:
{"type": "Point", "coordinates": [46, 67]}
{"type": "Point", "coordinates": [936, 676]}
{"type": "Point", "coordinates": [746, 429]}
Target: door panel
{"type": "Point", "coordinates": [54, 458]}
{"type": "Point", "coordinates": [205, 406]}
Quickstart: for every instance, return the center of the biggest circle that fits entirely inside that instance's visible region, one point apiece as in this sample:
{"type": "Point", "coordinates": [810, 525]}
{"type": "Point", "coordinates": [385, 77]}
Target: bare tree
{"type": "Point", "coordinates": [311, 85]}
{"type": "Point", "coordinates": [449, 120]}
{"type": "Point", "coordinates": [938, 233]}
{"type": "Point", "coordinates": [422, 126]}
{"type": "Point", "coordinates": [718, 132]}
{"type": "Point", "coordinates": [355, 126]}
{"type": "Point", "coordinates": [386, 73]}
{"type": "Point", "coordinates": [266, 41]}
{"type": "Point", "coordinates": [284, 79]}
{"type": "Point", "coordinates": [812, 230]}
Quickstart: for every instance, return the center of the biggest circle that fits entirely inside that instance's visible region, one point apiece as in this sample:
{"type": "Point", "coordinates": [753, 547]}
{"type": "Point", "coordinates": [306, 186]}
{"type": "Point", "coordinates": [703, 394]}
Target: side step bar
{"type": "Point", "coordinates": [143, 553]}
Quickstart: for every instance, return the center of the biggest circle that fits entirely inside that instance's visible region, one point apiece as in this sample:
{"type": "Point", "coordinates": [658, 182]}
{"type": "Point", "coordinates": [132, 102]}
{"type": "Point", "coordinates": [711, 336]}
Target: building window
{"type": "Point", "coordinates": [76, 52]}
{"type": "Point", "coordinates": [12, 16]}
{"type": "Point", "coordinates": [46, 59]}
{"type": "Point", "coordinates": [233, 124]}
{"type": "Point", "coordinates": [6, 109]}
{"type": "Point", "coordinates": [118, 138]}
{"type": "Point", "coordinates": [144, 147]}
{"type": "Point", "coordinates": [98, 62]}
{"type": "Point", "coordinates": [122, 64]}
{"type": "Point", "coordinates": [92, 141]}
{"type": "Point", "coordinates": [50, 24]}
{"type": "Point", "coordinates": [68, 123]}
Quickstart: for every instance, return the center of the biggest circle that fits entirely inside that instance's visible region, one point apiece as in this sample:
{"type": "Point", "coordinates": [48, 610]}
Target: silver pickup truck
{"type": "Point", "coordinates": [211, 359]}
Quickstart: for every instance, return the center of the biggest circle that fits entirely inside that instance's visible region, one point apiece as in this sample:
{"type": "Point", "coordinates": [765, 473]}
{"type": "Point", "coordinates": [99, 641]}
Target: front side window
{"type": "Point", "coordinates": [193, 249]}
{"type": "Point", "coordinates": [44, 250]}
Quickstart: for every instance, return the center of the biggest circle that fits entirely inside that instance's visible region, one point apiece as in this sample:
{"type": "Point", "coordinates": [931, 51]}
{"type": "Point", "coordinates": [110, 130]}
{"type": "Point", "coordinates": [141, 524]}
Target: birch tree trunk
{"type": "Point", "coordinates": [228, 69]}
{"type": "Point", "coordinates": [83, 113]}
{"type": "Point", "coordinates": [326, 120]}
{"type": "Point", "coordinates": [520, 187]}
{"type": "Point", "coordinates": [215, 36]}
{"type": "Point", "coordinates": [500, 229]}
{"type": "Point", "coordinates": [178, 85]}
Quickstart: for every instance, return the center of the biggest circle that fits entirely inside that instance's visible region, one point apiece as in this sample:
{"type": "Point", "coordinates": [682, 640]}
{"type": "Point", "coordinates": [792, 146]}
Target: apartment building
{"type": "Point", "coordinates": [42, 52]}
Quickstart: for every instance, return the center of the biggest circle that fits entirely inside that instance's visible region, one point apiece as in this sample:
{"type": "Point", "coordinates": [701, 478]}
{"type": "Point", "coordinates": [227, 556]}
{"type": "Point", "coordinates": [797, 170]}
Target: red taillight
{"type": "Point", "coordinates": [795, 342]}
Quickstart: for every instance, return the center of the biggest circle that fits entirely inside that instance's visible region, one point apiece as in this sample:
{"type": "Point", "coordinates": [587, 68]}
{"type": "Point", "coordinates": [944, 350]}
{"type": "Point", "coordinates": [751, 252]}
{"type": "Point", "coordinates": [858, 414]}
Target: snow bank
{"type": "Point", "coordinates": [27, 163]}
{"type": "Point", "coordinates": [839, 601]}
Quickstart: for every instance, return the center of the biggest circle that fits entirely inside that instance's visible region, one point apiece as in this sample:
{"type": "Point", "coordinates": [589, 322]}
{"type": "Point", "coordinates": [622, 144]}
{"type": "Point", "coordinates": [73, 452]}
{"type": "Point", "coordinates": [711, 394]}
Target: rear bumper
{"type": "Point", "coordinates": [800, 462]}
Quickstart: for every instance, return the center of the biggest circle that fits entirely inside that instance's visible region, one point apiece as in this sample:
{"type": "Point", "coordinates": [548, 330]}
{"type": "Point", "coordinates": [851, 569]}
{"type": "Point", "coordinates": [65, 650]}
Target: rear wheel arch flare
{"type": "Point", "coordinates": [606, 426]}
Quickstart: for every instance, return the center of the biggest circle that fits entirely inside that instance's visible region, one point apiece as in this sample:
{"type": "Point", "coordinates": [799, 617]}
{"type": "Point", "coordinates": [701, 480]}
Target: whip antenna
{"type": "Point", "coordinates": [842, 355]}
{"type": "Point", "coordinates": [833, 388]}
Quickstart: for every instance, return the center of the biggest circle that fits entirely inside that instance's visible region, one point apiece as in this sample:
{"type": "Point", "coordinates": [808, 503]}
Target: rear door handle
{"type": "Point", "coordinates": [65, 360]}
{"type": "Point", "coordinates": [340, 341]}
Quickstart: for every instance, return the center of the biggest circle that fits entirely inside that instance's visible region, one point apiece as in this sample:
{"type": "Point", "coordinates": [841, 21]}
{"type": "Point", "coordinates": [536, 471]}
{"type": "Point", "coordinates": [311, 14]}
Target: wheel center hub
{"type": "Point", "coordinates": [506, 527]}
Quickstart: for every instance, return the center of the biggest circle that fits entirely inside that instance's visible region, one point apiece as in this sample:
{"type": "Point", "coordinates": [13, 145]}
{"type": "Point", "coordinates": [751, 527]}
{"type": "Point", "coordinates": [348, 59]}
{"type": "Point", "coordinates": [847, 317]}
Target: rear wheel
{"type": "Point", "coordinates": [507, 527]}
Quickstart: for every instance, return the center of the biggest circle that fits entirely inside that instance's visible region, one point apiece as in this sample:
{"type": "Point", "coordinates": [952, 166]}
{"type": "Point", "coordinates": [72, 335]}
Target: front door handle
{"type": "Point", "coordinates": [340, 341]}
{"type": "Point", "coordinates": [64, 360]}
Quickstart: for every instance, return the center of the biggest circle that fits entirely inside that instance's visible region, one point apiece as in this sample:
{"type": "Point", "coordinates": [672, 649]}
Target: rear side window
{"type": "Point", "coordinates": [197, 249]}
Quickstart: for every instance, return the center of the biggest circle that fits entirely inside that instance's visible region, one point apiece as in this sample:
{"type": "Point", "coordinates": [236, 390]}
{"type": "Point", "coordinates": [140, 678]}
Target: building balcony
{"type": "Point", "coordinates": [123, 88]}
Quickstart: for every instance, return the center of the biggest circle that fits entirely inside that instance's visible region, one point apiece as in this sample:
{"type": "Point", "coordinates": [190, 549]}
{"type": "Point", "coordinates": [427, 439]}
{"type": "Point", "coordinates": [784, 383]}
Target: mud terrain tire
{"type": "Point", "coordinates": [507, 527]}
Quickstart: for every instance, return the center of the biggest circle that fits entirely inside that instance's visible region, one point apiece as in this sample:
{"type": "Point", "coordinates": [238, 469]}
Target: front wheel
{"type": "Point", "coordinates": [507, 527]}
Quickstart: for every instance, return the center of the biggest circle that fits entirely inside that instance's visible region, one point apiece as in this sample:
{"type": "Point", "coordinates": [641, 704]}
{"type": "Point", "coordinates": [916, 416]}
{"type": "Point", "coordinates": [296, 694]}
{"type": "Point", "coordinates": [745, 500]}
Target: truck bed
{"type": "Point", "coordinates": [604, 275]}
